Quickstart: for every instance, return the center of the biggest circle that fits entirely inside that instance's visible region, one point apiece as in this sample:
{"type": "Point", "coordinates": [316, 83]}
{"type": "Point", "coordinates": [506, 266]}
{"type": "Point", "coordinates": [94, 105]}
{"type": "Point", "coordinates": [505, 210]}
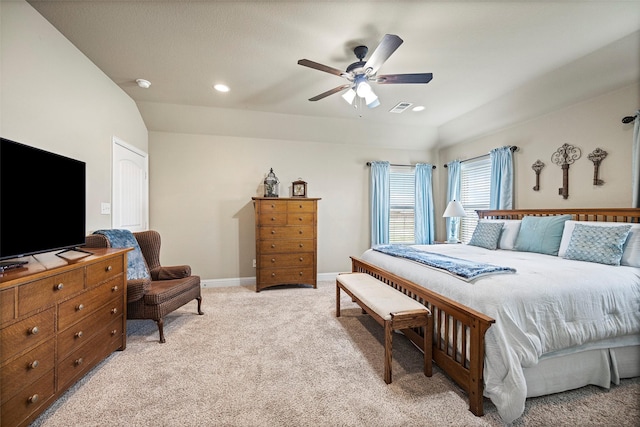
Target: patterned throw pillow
{"type": "Point", "coordinates": [597, 244]}
{"type": "Point", "coordinates": [486, 235]}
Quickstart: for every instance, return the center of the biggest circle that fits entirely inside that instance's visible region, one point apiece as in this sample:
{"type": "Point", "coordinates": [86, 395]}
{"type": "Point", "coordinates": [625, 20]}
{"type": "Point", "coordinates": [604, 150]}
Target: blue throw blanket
{"type": "Point", "coordinates": [136, 265]}
{"type": "Point", "coordinates": [462, 268]}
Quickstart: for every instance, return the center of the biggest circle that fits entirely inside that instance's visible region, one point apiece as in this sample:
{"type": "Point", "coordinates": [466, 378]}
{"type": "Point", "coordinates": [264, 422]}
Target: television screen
{"type": "Point", "coordinates": [42, 201]}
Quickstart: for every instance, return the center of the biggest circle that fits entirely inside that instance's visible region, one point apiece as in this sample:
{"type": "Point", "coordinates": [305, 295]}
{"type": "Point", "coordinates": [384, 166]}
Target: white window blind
{"type": "Point", "coordinates": [475, 177]}
{"type": "Point", "coordinates": [402, 204]}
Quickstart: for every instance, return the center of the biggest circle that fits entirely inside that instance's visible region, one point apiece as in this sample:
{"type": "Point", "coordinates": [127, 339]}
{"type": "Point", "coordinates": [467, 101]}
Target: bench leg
{"type": "Point", "coordinates": [388, 345]}
{"type": "Point", "coordinates": [337, 300]}
{"type": "Point", "coordinates": [428, 347]}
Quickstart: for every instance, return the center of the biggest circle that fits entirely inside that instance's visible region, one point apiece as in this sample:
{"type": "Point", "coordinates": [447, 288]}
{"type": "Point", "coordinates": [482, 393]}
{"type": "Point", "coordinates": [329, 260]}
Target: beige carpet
{"type": "Point", "coordinates": [281, 358]}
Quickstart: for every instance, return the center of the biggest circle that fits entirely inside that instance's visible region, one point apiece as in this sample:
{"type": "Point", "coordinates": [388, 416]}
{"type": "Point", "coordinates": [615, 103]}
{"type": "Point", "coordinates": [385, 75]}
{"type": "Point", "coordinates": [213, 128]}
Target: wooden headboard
{"type": "Point", "coordinates": [579, 214]}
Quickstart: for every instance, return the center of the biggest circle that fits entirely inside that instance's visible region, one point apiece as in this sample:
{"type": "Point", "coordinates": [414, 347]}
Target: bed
{"type": "Point", "coordinates": [553, 325]}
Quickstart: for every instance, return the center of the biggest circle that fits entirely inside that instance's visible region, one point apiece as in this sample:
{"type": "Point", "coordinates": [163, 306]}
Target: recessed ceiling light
{"type": "Point", "coordinates": [221, 88]}
{"type": "Point", "coordinates": [418, 108]}
{"type": "Point", "coordinates": [143, 83]}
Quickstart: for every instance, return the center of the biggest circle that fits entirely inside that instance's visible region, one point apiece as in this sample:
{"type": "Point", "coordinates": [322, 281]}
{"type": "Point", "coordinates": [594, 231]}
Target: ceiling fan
{"type": "Point", "coordinates": [360, 74]}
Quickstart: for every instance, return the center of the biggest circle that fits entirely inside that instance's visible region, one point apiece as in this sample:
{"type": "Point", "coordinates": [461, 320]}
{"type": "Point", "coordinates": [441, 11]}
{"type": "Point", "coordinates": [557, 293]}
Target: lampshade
{"type": "Point", "coordinates": [454, 209]}
{"type": "Point", "coordinates": [349, 95]}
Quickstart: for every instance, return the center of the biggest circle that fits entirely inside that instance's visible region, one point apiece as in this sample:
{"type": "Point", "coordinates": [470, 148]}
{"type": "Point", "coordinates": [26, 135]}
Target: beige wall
{"type": "Point", "coordinates": [54, 98]}
{"type": "Point", "coordinates": [595, 123]}
{"type": "Point", "coordinates": [201, 189]}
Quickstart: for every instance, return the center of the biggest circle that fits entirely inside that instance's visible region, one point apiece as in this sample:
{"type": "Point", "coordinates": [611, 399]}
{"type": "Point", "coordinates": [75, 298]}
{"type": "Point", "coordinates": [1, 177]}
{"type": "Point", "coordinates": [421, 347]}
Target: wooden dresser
{"type": "Point", "coordinates": [58, 319]}
{"type": "Point", "coordinates": [286, 241]}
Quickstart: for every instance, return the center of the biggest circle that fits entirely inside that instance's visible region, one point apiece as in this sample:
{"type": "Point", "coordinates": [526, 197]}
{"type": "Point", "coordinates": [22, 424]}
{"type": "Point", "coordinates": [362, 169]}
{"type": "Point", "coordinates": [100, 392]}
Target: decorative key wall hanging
{"type": "Point", "coordinates": [596, 157]}
{"type": "Point", "coordinates": [563, 157]}
{"type": "Point", "coordinates": [537, 167]}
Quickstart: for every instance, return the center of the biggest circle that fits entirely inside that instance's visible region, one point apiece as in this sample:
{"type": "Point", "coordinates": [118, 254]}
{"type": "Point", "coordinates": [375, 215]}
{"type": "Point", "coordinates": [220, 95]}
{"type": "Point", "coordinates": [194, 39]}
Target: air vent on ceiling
{"type": "Point", "coordinates": [400, 107]}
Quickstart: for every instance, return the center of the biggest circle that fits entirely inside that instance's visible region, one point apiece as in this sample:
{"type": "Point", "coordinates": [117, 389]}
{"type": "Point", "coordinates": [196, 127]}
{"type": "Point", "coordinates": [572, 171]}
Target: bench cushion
{"type": "Point", "coordinates": [378, 296]}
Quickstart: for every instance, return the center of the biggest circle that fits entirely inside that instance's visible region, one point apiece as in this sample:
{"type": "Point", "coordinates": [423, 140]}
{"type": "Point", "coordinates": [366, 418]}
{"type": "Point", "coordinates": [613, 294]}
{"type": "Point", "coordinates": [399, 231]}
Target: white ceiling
{"type": "Point", "coordinates": [479, 52]}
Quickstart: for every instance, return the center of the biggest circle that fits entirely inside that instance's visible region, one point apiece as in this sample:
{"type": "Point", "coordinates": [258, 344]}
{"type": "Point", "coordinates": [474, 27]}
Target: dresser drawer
{"type": "Point", "coordinates": [7, 305]}
{"type": "Point", "coordinates": [27, 333]}
{"type": "Point", "coordinates": [75, 309]}
{"type": "Point", "coordinates": [301, 206]}
{"type": "Point", "coordinates": [286, 275]}
{"type": "Point", "coordinates": [273, 218]}
{"type": "Point", "coordinates": [85, 357]}
{"type": "Point", "coordinates": [295, 246]}
{"type": "Point", "coordinates": [104, 270]}
{"type": "Point", "coordinates": [28, 400]}
{"type": "Point", "coordinates": [81, 332]}
{"type": "Point", "coordinates": [301, 218]}
{"type": "Point", "coordinates": [27, 368]}
{"type": "Point", "coordinates": [297, 260]}
{"type": "Point", "coordinates": [271, 206]}
{"type": "Point", "coordinates": [48, 291]}
{"type": "Point", "coordinates": [292, 232]}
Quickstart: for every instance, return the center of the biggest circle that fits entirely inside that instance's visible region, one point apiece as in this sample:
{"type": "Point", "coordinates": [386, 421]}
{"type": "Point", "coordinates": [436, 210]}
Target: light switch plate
{"type": "Point", "coordinates": [105, 208]}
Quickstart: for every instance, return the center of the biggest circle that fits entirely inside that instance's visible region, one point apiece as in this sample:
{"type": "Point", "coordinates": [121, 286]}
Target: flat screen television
{"type": "Point", "coordinates": [42, 201]}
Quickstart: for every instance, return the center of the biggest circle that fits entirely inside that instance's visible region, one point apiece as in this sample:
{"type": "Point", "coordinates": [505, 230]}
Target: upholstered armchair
{"type": "Point", "coordinates": [153, 291]}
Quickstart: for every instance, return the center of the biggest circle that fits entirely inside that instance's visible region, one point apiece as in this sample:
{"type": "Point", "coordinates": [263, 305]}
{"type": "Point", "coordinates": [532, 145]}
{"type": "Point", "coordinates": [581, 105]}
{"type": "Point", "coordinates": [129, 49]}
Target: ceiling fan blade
{"type": "Point", "coordinates": [329, 92]}
{"type": "Point", "coordinates": [388, 45]}
{"type": "Point", "coordinates": [403, 78]}
{"type": "Point", "coordinates": [321, 67]}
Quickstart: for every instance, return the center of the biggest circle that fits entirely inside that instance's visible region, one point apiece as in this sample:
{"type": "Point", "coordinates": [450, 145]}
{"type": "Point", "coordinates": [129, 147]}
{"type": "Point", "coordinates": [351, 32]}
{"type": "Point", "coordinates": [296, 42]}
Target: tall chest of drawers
{"type": "Point", "coordinates": [58, 319]}
{"type": "Point", "coordinates": [286, 241]}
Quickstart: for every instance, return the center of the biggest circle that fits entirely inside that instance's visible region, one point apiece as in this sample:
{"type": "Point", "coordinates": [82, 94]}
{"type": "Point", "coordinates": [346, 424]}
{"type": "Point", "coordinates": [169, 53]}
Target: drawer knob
{"type": "Point", "coordinates": [115, 331]}
{"type": "Point", "coordinates": [300, 206]}
{"type": "Point", "coordinates": [300, 273]}
{"type": "Point", "coordinates": [300, 231]}
{"type": "Point", "coordinates": [273, 231]}
{"type": "Point", "coordinates": [34, 398]}
{"type": "Point", "coordinates": [59, 287]}
{"type": "Point", "coordinates": [80, 307]}
{"type": "Point", "coordinates": [301, 259]}
{"type": "Point", "coordinates": [273, 206]}
{"type": "Point", "coordinates": [78, 361]}
{"type": "Point", "coordinates": [34, 364]}
{"type": "Point", "coordinates": [273, 274]}
{"type": "Point", "coordinates": [301, 245]}
{"type": "Point", "coordinates": [108, 268]}
{"type": "Point", "coordinates": [299, 219]}
{"type": "Point", "coordinates": [273, 245]}
{"type": "Point", "coordinates": [34, 330]}
{"type": "Point", "coordinates": [273, 260]}
{"type": "Point", "coordinates": [114, 289]}
{"type": "Point", "coordinates": [114, 310]}
{"type": "Point", "coordinates": [273, 218]}
{"type": "Point", "coordinates": [79, 334]}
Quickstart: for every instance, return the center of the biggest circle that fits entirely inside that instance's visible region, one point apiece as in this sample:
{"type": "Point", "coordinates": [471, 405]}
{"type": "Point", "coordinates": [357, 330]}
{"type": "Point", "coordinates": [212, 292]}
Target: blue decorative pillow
{"type": "Point", "coordinates": [541, 234]}
{"type": "Point", "coordinates": [136, 265]}
{"type": "Point", "coordinates": [597, 244]}
{"type": "Point", "coordinates": [486, 235]}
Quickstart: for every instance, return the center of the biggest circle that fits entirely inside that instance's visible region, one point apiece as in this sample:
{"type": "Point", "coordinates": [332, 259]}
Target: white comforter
{"type": "Point", "coordinates": [550, 304]}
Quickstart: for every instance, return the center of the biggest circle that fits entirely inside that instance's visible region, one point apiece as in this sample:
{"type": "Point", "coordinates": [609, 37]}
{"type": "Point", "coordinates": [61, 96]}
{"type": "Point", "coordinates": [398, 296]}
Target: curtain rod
{"type": "Point", "coordinates": [392, 164]}
{"type": "Point", "coordinates": [512, 148]}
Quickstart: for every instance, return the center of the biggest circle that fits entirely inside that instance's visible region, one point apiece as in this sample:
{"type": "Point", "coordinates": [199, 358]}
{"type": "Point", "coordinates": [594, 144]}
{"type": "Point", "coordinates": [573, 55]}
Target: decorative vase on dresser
{"type": "Point", "coordinates": [286, 241]}
{"type": "Point", "coordinates": [58, 319]}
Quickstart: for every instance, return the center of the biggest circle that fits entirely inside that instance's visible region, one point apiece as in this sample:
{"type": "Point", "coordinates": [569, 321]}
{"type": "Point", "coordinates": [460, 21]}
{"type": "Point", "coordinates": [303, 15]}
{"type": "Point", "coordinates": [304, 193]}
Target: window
{"type": "Point", "coordinates": [402, 204]}
{"type": "Point", "coordinates": [475, 184]}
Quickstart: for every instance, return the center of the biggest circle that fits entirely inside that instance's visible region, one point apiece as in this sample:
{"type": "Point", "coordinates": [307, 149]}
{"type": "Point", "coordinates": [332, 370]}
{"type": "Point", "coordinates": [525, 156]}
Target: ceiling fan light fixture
{"type": "Point", "coordinates": [349, 96]}
{"type": "Point", "coordinates": [372, 100]}
{"type": "Point", "coordinates": [363, 88]}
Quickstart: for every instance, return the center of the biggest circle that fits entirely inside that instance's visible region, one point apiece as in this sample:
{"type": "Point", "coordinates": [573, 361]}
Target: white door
{"type": "Point", "coordinates": [130, 201]}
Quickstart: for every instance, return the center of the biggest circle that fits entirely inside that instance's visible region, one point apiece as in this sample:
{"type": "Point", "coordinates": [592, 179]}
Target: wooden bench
{"type": "Point", "coordinates": [391, 309]}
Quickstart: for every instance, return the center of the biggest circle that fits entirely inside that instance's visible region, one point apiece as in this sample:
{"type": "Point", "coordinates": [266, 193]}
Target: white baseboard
{"type": "Point", "coordinates": [249, 281]}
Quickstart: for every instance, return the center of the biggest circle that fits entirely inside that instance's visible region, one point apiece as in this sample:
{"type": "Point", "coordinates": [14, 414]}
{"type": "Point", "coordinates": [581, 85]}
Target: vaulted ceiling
{"type": "Point", "coordinates": [479, 53]}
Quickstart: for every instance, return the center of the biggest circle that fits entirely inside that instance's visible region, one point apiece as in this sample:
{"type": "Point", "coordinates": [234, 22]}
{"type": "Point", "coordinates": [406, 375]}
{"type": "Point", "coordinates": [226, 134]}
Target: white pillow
{"type": "Point", "coordinates": [510, 229]}
{"type": "Point", "coordinates": [631, 248]}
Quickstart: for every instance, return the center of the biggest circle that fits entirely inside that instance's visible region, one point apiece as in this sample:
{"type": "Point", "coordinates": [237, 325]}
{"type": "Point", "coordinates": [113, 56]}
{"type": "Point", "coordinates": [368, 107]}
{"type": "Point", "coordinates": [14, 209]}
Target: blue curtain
{"type": "Point", "coordinates": [635, 162]}
{"type": "Point", "coordinates": [424, 218]}
{"type": "Point", "coordinates": [453, 193]}
{"type": "Point", "coordinates": [501, 190]}
{"type": "Point", "coordinates": [379, 203]}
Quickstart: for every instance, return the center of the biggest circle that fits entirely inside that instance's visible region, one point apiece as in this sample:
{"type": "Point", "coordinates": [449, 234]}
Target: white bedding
{"type": "Point", "coordinates": [549, 305]}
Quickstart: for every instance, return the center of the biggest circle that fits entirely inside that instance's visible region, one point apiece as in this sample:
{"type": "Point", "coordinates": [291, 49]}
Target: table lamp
{"type": "Point", "coordinates": [454, 210]}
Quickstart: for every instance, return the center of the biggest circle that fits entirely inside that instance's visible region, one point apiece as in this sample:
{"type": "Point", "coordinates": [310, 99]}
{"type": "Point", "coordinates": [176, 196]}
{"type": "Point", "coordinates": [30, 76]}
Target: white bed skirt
{"type": "Point", "coordinates": [600, 366]}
